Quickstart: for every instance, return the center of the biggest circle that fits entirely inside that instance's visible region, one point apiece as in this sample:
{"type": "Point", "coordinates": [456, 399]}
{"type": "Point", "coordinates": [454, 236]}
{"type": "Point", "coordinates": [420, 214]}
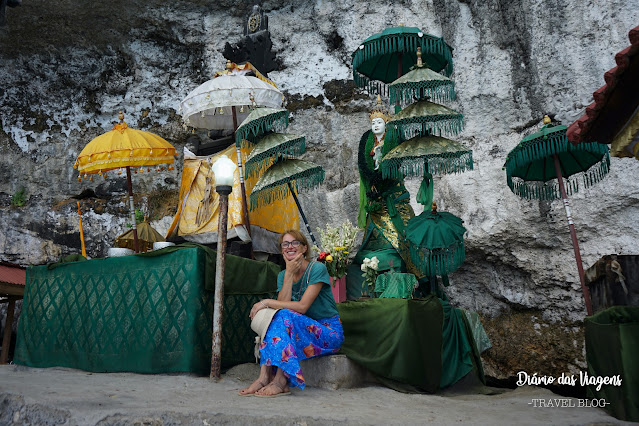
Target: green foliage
{"type": "Point", "coordinates": [139, 216]}
{"type": "Point", "coordinates": [19, 198]}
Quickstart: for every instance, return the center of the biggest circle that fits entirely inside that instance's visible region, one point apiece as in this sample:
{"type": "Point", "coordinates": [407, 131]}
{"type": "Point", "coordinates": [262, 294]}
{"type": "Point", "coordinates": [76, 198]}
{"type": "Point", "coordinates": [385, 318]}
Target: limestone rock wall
{"type": "Point", "coordinates": [68, 67]}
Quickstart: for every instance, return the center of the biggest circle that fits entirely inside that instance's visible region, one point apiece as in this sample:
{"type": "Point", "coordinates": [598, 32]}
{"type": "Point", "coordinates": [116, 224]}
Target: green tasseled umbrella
{"type": "Point", "coordinates": [421, 82]}
{"type": "Point", "coordinates": [270, 148]}
{"type": "Point", "coordinates": [530, 169]}
{"type": "Point", "coordinates": [537, 166]}
{"type": "Point", "coordinates": [259, 122]}
{"type": "Point", "coordinates": [284, 178]}
{"type": "Point", "coordinates": [424, 118]}
{"type": "Point", "coordinates": [381, 56]}
{"type": "Point", "coordinates": [437, 242]}
{"type": "Point", "coordinates": [422, 155]}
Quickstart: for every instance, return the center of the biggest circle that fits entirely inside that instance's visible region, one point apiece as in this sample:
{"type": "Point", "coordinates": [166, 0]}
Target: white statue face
{"type": "Point", "coordinates": [378, 126]}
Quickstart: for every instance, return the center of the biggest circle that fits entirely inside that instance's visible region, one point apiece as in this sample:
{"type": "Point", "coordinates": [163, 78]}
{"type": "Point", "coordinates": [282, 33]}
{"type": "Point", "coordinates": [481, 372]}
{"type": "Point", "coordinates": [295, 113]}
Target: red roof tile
{"type": "Point", "coordinates": [607, 99]}
{"type": "Point", "coordinates": [13, 274]}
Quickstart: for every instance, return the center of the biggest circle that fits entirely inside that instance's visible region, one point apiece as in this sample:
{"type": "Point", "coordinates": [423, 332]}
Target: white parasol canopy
{"type": "Point", "coordinates": [209, 105]}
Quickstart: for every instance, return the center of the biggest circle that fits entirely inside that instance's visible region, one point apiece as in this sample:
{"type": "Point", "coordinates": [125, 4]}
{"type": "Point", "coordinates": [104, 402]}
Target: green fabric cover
{"type": "Point", "coordinates": [421, 156]}
{"type": "Point", "coordinates": [612, 348]}
{"type": "Point", "coordinates": [424, 118]}
{"type": "Point", "coordinates": [324, 305]}
{"type": "Point", "coordinates": [420, 83]}
{"type": "Point", "coordinates": [272, 147]}
{"type": "Point", "coordinates": [401, 340]}
{"type": "Point", "coordinates": [273, 184]}
{"type": "Point", "coordinates": [395, 285]}
{"type": "Point", "coordinates": [437, 242]}
{"type": "Point", "coordinates": [530, 166]}
{"type": "Point", "coordinates": [258, 122]}
{"type": "Point", "coordinates": [147, 313]}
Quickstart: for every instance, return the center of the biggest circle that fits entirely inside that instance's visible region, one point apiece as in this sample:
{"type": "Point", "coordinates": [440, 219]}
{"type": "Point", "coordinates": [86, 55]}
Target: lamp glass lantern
{"type": "Point", "coordinates": [224, 171]}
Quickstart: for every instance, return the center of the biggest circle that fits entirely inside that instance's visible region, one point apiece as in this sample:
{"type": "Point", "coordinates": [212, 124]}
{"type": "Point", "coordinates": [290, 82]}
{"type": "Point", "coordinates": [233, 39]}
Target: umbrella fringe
{"type": "Point", "coordinates": [549, 191]}
{"type": "Point", "coordinates": [438, 261]}
{"type": "Point", "coordinates": [407, 93]}
{"type": "Point", "coordinates": [436, 125]}
{"type": "Point", "coordinates": [145, 161]}
{"type": "Point", "coordinates": [310, 179]}
{"type": "Point", "coordinates": [290, 149]}
{"type": "Point", "coordinates": [248, 135]}
{"type": "Point", "coordinates": [438, 164]}
{"type": "Point", "coordinates": [539, 148]}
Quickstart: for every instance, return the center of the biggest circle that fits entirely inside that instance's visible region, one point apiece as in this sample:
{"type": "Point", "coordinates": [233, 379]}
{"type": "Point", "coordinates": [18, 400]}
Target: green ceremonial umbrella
{"type": "Point", "coordinates": [424, 118]}
{"type": "Point", "coordinates": [284, 178]}
{"type": "Point", "coordinates": [537, 166]}
{"type": "Point", "coordinates": [437, 241]}
{"type": "Point", "coordinates": [270, 148]}
{"type": "Point", "coordinates": [420, 156]}
{"type": "Point", "coordinates": [420, 83]}
{"type": "Point", "coordinates": [388, 55]}
{"type": "Point", "coordinates": [259, 122]}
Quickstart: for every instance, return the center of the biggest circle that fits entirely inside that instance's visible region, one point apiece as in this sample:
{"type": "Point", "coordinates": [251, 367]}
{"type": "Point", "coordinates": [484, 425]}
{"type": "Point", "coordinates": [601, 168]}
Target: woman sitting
{"type": "Point", "coordinates": [307, 323]}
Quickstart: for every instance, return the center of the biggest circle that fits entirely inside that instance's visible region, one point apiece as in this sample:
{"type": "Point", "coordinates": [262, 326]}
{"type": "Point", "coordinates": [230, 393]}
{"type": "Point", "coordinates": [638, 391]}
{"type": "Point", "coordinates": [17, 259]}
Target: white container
{"type": "Point", "coordinates": [119, 252]}
{"type": "Point", "coordinates": [162, 244]}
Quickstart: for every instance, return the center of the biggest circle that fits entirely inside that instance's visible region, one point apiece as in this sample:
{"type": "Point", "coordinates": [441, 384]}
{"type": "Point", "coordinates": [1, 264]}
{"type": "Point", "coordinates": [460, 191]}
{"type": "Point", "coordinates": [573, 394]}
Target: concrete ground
{"type": "Point", "coordinates": [60, 396]}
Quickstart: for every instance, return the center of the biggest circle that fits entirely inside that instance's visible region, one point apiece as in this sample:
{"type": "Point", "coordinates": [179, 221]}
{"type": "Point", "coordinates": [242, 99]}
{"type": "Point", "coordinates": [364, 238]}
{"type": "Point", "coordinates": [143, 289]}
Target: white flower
{"type": "Point", "coordinates": [366, 262]}
{"type": "Point", "coordinates": [374, 263]}
{"type": "Point", "coordinates": [363, 267]}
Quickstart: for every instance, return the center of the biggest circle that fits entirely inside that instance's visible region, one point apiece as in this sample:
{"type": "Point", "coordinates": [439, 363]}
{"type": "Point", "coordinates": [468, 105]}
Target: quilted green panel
{"type": "Point", "coordinates": [134, 313]}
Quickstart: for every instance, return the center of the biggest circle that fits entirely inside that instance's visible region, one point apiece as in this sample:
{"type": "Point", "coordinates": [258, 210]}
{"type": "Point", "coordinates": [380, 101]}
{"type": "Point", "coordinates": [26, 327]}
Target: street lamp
{"type": "Point", "coordinates": [224, 172]}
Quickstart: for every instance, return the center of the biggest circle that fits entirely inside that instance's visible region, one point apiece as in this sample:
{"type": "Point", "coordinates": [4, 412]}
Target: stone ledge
{"type": "Point", "coordinates": [328, 372]}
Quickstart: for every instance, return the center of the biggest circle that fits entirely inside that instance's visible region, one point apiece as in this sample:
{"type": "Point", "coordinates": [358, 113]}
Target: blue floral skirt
{"type": "Point", "coordinates": [292, 337]}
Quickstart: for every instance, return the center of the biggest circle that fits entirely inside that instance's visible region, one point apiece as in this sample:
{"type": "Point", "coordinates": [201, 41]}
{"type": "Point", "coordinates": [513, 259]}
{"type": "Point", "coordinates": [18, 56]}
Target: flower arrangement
{"type": "Point", "coordinates": [338, 243]}
{"type": "Point", "coordinates": [369, 268]}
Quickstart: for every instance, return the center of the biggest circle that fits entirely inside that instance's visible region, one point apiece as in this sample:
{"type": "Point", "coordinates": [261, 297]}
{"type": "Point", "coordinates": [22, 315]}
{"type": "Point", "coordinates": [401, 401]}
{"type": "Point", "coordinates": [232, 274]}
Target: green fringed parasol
{"type": "Point", "coordinates": [437, 242]}
{"type": "Point", "coordinates": [537, 166]}
{"type": "Point", "coordinates": [420, 83]}
{"type": "Point", "coordinates": [388, 55]}
{"type": "Point", "coordinates": [424, 118]}
{"type": "Point", "coordinates": [530, 168]}
{"type": "Point", "coordinates": [259, 122]}
{"type": "Point", "coordinates": [270, 148]}
{"type": "Point", "coordinates": [277, 181]}
{"type": "Point", "coordinates": [422, 155]}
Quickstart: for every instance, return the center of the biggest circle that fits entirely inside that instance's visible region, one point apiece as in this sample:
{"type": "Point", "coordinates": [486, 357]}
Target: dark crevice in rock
{"type": "Point", "coordinates": [296, 102]}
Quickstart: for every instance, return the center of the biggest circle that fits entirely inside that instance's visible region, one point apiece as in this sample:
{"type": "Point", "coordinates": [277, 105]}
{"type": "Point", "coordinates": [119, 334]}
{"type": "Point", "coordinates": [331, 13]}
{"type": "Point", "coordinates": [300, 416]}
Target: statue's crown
{"type": "Point", "coordinates": [379, 111]}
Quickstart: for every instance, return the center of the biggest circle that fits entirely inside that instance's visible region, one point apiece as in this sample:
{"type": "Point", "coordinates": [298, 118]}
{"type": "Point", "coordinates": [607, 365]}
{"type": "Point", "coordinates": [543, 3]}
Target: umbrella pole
{"type": "Point", "coordinates": [573, 235]}
{"type": "Point", "coordinates": [84, 249]}
{"type": "Point", "coordinates": [299, 207]}
{"type": "Point", "coordinates": [238, 153]}
{"type": "Point", "coordinates": [132, 208]}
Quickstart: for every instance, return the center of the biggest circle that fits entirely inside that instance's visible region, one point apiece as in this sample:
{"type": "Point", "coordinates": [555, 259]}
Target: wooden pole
{"type": "Point", "coordinates": [84, 249]}
{"type": "Point", "coordinates": [132, 208]}
{"type": "Point", "coordinates": [218, 301]}
{"type": "Point", "coordinates": [8, 326]}
{"type": "Point", "coordinates": [573, 235]}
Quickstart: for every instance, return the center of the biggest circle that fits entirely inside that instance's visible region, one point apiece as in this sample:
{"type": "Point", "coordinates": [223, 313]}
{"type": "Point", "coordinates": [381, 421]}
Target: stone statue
{"type": "Point", "coordinates": [256, 21]}
{"type": "Point", "coordinates": [384, 207]}
{"type": "Point", "coordinates": [256, 45]}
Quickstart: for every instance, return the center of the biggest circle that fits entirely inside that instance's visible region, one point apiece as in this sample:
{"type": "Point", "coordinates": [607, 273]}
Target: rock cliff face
{"type": "Point", "coordinates": [70, 66]}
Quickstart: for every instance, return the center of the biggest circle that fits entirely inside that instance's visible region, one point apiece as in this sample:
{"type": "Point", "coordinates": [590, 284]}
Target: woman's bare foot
{"type": "Point", "coordinates": [257, 385]}
{"type": "Point", "coordinates": [275, 388]}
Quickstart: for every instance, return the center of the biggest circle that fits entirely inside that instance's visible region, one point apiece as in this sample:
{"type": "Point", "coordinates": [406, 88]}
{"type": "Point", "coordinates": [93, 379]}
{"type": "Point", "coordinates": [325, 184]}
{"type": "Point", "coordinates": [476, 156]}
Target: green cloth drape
{"type": "Point", "coordinates": [612, 348]}
{"type": "Point", "coordinates": [147, 313]}
{"type": "Point", "coordinates": [423, 343]}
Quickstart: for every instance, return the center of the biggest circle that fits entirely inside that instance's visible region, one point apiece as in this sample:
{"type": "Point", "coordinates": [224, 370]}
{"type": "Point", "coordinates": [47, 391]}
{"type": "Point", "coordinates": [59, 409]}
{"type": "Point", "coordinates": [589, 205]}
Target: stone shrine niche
{"type": "Point", "coordinates": [255, 47]}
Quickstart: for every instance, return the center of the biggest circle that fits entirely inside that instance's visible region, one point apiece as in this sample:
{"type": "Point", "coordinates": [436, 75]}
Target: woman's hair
{"type": "Point", "coordinates": [299, 237]}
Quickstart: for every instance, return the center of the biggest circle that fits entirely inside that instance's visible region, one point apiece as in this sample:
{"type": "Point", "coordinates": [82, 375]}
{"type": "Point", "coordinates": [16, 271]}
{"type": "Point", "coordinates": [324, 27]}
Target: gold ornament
{"type": "Point", "coordinates": [379, 111]}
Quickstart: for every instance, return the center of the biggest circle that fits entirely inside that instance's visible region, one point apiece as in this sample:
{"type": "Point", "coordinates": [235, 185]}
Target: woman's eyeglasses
{"type": "Point", "coordinates": [287, 244]}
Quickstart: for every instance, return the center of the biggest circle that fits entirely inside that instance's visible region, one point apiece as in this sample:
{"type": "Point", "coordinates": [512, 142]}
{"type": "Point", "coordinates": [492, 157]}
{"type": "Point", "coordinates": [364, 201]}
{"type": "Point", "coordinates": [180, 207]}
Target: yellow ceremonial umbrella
{"type": "Point", "coordinates": [124, 147]}
{"type": "Point", "coordinates": [147, 235]}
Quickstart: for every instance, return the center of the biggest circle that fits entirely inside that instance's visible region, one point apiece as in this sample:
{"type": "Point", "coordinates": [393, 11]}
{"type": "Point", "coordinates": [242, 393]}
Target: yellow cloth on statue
{"type": "Point", "coordinates": [276, 217]}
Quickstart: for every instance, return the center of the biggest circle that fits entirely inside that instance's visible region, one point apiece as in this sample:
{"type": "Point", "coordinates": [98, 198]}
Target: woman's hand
{"type": "Point", "coordinates": [294, 266]}
{"type": "Point", "coordinates": [259, 306]}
